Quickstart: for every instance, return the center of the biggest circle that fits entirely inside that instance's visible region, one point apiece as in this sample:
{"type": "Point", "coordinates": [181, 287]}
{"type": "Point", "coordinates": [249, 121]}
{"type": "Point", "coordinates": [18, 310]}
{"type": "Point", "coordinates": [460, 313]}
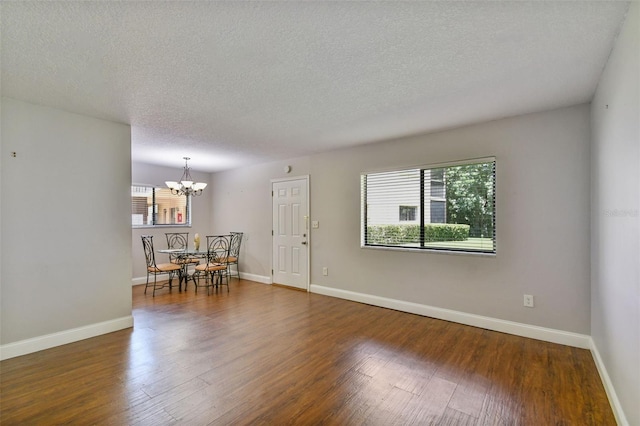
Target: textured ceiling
{"type": "Point", "coordinates": [233, 83]}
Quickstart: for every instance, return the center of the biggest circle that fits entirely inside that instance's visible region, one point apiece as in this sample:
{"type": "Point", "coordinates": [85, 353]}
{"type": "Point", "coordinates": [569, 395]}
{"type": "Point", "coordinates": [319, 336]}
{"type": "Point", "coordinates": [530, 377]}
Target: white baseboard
{"type": "Point", "coordinates": [40, 343]}
{"type": "Point", "coordinates": [257, 278]}
{"type": "Point", "coordinates": [143, 280]}
{"type": "Point", "coordinates": [621, 419]}
{"type": "Point", "coordinates": [243, 275]}
{"type": "Point", "coordinates": [489, 323]}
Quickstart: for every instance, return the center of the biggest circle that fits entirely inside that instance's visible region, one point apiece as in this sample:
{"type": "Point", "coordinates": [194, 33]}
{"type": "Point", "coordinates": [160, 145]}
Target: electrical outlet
{"type": "Point", "coordinates": [528, 301]}
{"type": "Point", "coordinates": [325, 271]}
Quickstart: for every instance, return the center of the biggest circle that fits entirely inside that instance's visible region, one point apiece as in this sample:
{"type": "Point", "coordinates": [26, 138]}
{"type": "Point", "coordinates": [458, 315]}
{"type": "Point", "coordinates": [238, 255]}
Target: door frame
{"type": "Point", "coordinates": [307, 228]}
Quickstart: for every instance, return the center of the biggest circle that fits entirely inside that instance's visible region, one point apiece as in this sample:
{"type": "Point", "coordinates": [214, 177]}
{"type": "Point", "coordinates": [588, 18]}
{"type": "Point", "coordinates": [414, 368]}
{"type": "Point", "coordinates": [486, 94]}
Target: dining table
{"type": "Point", "coordinates": [183, 255]}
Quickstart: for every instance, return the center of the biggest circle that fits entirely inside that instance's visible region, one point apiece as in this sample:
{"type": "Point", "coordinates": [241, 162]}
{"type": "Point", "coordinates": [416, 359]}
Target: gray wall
{"type": "Point", "coordinates": [615, 217]}
{"type": "Point", "coordinates": [65, 221]}
{"type": "Point", "coordinates": [542, 221]}
{"type": "Point", "coordinates": [147, 174]}
{"type": "Point", "coordinates": [241, 201]}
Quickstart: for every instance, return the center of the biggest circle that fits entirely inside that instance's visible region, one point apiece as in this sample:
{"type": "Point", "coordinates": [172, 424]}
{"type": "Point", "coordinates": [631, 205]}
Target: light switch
{"type": "Point", "coordinates": [315, 224]}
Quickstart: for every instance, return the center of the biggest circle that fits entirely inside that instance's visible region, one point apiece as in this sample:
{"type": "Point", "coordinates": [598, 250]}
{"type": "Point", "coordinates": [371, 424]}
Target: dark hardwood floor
{"type": "Point", "coordinates": [262, 354]}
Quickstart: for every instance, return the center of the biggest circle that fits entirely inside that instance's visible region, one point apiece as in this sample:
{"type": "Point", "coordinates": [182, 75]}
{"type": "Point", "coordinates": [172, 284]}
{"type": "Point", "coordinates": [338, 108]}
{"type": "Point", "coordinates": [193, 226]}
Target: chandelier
{"type": "Point", "coordinates": [186, 186]}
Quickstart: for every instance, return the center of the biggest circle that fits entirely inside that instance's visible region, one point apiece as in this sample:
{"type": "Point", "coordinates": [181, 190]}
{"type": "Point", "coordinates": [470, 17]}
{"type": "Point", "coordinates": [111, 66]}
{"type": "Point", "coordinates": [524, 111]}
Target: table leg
{"type": "Point", "coordinates": [184, 275]}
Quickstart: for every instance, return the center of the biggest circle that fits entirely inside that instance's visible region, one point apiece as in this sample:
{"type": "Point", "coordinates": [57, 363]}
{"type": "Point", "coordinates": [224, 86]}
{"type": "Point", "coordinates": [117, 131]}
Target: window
{"type": "Point", "coordinates": [438, 212]}
{"type": "Point", "coordinates": [152, 206]}
{"type": "Point", "coordinates": [408, 213]}
{"type": "Point", "coordinates": [448, 207]}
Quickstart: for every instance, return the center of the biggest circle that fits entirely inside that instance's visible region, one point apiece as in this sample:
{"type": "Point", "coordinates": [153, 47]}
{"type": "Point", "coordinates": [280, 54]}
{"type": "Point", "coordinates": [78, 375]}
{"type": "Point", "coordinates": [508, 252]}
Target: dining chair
{"type": "Point", "coordinates": [234, 252]}
{"type": "Point", "coordinates": [180, 241]}
{"type": "Point", "coordinates": [216, 267]}
{"type": "Point", "coordinates": [154, 268]}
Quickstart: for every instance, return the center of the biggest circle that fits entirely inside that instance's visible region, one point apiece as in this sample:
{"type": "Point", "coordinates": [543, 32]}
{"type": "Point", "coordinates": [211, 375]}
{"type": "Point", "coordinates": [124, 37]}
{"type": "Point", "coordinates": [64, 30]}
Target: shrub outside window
{"type": "Point", "coordinates": [455, 207]}
{"type": "Point", "coordinates": [152, 206]}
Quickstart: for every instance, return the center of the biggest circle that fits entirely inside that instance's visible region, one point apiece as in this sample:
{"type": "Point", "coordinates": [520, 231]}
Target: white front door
{"type": "Point", "coordinates": [290, 234]}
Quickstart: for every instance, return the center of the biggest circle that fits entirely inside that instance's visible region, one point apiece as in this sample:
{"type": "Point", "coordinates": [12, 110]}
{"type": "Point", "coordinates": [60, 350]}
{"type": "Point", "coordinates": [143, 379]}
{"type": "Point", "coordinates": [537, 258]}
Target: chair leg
{"type": "Point", "coordinates": [155, 279]}
{"type": "Point", "coordinates": [147, 284]}
{"type": "Point", "coordinates": [184, 276]}
{"type": "Point", "coordinates": [229, 270]}
{"type": "Point", "coordinates": [223, 275]}
{"type": "Point", "coordinates": [193, 277]}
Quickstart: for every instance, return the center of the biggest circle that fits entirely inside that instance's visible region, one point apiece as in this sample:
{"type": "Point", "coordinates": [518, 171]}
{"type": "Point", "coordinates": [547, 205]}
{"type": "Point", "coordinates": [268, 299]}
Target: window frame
{"type": "Point", "coordinates": [187, 223]}
{"type": "Point", "coordinates": [421, 209]}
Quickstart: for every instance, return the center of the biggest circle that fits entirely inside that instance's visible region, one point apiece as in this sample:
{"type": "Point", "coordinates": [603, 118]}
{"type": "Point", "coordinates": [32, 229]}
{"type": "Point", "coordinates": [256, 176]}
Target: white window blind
{"type": "Point", "coordinates": [449, 207]}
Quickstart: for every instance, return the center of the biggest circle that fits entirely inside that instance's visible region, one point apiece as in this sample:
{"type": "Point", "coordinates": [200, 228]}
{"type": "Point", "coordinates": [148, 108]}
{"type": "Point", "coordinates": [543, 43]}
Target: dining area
{"type": "Point", "coordinates": [209, 265]}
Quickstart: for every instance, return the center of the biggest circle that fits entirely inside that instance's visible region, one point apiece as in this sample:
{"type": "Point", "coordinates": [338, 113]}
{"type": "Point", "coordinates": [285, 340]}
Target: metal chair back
{"type": "Point", "coordinates": [236, 239]}
{"type": "Point", "coordinates": [234, 252]}
{"type": "Point", "coordinates": [218, 247]}
{"type": "Point", "coordinates": [149, 254]}
{"type": "Point", "coordinates": [177, 240]}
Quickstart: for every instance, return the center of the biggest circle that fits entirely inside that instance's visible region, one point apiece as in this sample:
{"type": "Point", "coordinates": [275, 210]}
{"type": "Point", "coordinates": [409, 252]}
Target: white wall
{"type": "Point", "coordinates": [65, 255]}
{"type": "Point", "coordinates": [1, 162]}
{"type": "Point", "coordinates": [542, 221]}
{"type": "Point", "coordinates": [615, 217]}
{"type": "Point", "coordinates": [147, 174]}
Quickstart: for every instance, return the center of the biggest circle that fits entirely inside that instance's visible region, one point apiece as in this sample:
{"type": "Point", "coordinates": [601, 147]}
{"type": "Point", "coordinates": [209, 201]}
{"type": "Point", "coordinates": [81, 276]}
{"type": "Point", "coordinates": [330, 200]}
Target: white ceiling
{"type": "Point", "coordinates": [234, 83]}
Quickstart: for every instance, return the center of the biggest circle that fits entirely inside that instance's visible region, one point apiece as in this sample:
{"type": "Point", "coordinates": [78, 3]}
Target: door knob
{"type": "Point", "coordinates": [304, 243]}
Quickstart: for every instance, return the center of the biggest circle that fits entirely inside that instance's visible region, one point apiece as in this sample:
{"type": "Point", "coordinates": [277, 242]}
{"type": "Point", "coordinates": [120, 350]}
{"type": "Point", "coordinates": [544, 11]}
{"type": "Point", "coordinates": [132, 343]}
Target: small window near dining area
{"type": "Point", "coordinates": [156, 206]}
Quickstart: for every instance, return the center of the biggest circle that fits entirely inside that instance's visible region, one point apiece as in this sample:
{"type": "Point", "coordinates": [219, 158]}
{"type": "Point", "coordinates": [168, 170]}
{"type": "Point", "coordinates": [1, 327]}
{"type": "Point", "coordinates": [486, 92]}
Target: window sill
{"type": "Point", "coordinates": [430, 250]}
{"type": "Point", "coordinates": [159, 226]}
